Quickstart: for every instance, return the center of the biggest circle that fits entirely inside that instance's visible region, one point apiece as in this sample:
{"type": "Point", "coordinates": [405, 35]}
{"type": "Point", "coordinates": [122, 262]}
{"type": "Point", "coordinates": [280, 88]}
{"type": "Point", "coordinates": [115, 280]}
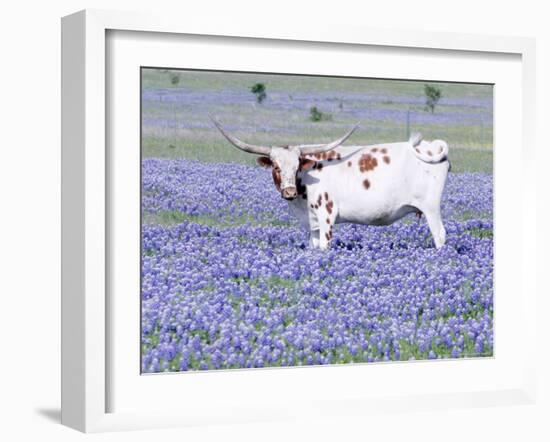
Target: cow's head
{"type": "Point", "coordinates": [285, 161]}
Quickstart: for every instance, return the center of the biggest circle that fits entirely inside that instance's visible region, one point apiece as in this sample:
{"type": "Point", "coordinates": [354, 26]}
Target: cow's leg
{"type": "Point", "coordinates": [433, 216]}
{"type": "Point", "coordinates": [314, 206]}
{"type": "Point", "coordinates": [326, 215]}
{"type": "Point", "coordinates": [325, 235]}
{"type": "Point", "coordinates": [314, 239]}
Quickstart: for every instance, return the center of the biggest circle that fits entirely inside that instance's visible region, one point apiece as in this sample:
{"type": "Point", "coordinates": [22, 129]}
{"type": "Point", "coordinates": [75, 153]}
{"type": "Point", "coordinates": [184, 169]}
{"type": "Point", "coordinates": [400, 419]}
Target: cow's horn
{"type": "Point", "coordinates": [258, 150]}
{"type": "Point", "coordinates": [311, 149]}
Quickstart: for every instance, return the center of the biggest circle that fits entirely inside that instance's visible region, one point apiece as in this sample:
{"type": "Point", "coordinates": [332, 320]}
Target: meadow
{"type": "Point", "coordinates": [227, 278]}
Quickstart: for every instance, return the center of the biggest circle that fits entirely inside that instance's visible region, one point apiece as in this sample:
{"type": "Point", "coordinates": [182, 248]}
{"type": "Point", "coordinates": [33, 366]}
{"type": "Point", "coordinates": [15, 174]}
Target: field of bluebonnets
{"type": "Point", "coordinates": [227, 278]}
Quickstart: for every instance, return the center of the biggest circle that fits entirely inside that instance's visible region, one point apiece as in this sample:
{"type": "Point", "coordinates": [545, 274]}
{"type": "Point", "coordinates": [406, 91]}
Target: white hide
{"type": "Point", "coordinates": [412, 181]}
{"type": "Point", "coordinates": [288, 161]}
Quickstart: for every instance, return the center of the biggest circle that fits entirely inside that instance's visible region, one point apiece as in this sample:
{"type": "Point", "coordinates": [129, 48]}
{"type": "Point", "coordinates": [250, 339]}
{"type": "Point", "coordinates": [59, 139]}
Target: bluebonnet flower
{"type": "Point", "coordinates": [226, 283]}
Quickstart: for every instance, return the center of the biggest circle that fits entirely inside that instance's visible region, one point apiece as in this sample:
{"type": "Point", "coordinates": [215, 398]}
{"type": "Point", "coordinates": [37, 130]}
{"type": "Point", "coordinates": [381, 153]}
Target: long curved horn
{"type": "Point", "coordinates": [311, 149]}
{"type": "Point", "coordinates": [258, 150]}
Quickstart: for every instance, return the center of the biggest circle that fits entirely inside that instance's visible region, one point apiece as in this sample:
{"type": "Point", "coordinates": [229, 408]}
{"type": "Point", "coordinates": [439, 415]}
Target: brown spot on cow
{"type": "Point", "coordinates": [367, 162]}
{"type": "Point", "coordinates": [384, 151]}
{"type": "Point", "coordinates": [275, 171]}
{"type": "Point", "coordinates": [417, 151]}
{"type": "Point", "coordinates": [319, 200]}
{"type": "Point", "coordinates": [440, 149]}
{"type": "Point", "coordinates": [330, 234]}
{"type": "Point", "coordinates": [312, 206]}
{"type": "Point", "coordinates": [306, 164]}
{"type": "Point", "coordinates": [386, 159]}
{"type": "Point", "coordinates": [349, 163]}
{"type": "Point", "coordinates": [374, 149]}
{"type": "Point", "coordinates": [330, 205]}
{"type": "Point", "coordinates": [338, 156]}
{"type": "Point", "coordinates": [430, 153]}
{"type": "Point", "coordinates": [331, 155]}
{"type": "Point", "coordinates": [366, 184]}
{"type": "Point", "coordinates": [326, 196]}
{"type": "Point", "coordinates": [328, 221]}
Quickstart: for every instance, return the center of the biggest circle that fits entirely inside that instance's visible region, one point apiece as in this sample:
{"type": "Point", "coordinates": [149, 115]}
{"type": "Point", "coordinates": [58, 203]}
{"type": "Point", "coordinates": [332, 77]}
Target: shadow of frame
{"type": "Point", "coordinates": [51, 414]}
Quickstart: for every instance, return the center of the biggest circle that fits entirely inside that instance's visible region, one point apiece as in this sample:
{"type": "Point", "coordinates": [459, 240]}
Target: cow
{"type": "Point", "coordinates": [328, 184]}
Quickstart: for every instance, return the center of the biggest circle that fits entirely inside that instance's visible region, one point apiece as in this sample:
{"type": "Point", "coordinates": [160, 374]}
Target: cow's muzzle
{"type": "Point", "coordinates": [289, 193]}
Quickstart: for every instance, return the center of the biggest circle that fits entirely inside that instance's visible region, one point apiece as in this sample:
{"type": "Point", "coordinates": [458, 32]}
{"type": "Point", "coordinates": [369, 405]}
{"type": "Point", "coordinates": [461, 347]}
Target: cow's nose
{"type": "Point", "coordinates": [289, 193]}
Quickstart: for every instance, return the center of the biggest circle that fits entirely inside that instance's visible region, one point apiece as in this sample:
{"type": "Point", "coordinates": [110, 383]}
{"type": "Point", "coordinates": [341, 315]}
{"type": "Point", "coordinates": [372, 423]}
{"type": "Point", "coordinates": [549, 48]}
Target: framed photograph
{"type": "Point", "coordinates": [290, 223]}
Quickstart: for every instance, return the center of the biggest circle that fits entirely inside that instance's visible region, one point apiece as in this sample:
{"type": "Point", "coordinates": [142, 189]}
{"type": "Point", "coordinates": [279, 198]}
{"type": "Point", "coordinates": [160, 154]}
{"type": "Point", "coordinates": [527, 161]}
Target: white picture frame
{"type": "Point", "coordinates": [86, 209]}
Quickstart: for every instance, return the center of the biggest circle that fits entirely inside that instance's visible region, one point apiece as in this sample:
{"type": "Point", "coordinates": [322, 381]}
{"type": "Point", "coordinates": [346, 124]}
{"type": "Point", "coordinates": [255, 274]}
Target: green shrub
{"type": "Point", "coordinates": [317, 115]}
{"type": "Point", "coordinates": [433, 95]}
{"type": "Point", "coordinates": [174, 79]}
{"type": "Point", "coordinates": [259, 90]}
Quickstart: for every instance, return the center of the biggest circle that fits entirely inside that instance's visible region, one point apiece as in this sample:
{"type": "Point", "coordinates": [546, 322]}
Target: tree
{"type": "Point", "coordinates": [433, 95]}
{"type": "Point", "coordinates": [259, 90]}
{"type": "Point", "coordinates": [317, 115]}
{"type": "Point", "coordinates": [174, 79]}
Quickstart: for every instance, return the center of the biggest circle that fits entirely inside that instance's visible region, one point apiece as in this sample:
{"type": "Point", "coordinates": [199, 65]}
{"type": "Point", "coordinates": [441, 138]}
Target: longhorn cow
{"type": "Point", "coordinates": [328, 184]}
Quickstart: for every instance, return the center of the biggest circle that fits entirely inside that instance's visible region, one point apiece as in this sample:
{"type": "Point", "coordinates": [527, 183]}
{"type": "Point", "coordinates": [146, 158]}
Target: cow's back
{"type": "Point", "coordinates": [376, 184]}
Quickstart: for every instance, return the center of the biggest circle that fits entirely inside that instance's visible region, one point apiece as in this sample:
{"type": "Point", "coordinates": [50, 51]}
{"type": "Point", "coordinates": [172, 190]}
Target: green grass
{"type": "Point", "coordinates": [161, 79]}
{"type": "Point", "coordinates": [471, 160]}
{"type": "Point", "coordinates": [219, 151]}
{"type": "Point", "coordinates": [177, 129]}
{"type": "Point", "coordinates": [481, 233]}
{"type": "Point", "coordinates": [171, 217]}
{"type": "Point", "coordinates": [468, 215]}
{"type": "Point", "coordinates": [293, 127]}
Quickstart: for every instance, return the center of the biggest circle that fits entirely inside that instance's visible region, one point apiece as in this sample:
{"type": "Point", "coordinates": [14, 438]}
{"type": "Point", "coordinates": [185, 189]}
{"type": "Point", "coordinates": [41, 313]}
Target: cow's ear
{"type": "Point", "coordinates": [264, 161]}
{"type": "Point", "coordinates": [306, 163]}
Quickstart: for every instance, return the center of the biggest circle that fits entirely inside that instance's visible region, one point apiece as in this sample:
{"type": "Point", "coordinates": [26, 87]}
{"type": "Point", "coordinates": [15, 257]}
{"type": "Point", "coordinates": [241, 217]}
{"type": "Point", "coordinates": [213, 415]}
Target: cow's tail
{"type": "Point", "coordinates": [429, 152]}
